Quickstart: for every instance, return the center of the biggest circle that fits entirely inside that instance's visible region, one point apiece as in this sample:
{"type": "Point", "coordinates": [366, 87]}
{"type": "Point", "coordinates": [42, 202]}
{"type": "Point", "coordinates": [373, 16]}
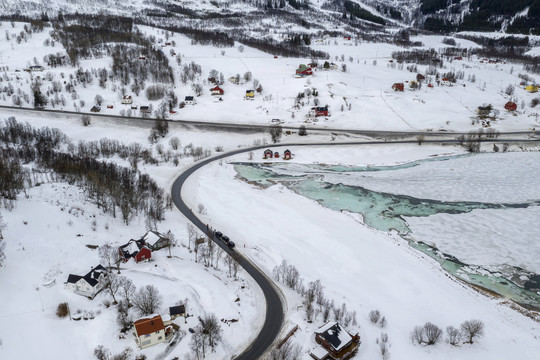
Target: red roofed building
{"type": "Point", "coordinates": [510, 106]}
{"type": "Point", "coordinates": [151, 331]}
{"type": "Point", "coordinates": [398, 87]}
{"type": "Point", "coordinates": [216, 90]}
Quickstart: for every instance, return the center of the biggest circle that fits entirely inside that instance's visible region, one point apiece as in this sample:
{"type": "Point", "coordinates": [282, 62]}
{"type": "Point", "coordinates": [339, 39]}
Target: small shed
{"type": "Point", "coordinates": [95, 108]}
{"type": "Point", "coordinates": [276, 155]}
{"type": "Point", "coordinates": [510, 106]}
{"type": "Point", "coordinates": [144, 109]}
{"type": "Point", "coordinates": [177, 311]}
{"type": "Point", "coordinates": [127, 99]}
{"type": "Point", "coordinates": [287, 155]}
{"type": "Point", "coordinates": [250, 94]}
{"type": "Point", "coordinates": [398, 87]}
{"type": "Point", "coordinates": [268, 154]}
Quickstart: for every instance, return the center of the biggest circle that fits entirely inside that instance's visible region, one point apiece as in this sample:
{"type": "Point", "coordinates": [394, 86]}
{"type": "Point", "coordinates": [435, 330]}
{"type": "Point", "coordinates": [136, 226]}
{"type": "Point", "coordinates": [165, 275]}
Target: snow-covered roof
{"type": "Point", "coordinates": [335, 335]}
{"type": "Point", "coordinates": [166, 317]}
{"type": "Point", "coordinates": [151, 237]}
{"type": "Point", "coordinates": [318, 352]}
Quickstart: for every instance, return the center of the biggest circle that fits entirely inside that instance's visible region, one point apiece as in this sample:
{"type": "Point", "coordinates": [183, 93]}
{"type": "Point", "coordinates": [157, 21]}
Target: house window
{"type": "Point", "coordinates": [160, 337]}
{"type": "Point", "coordinates": [147, 336]}
{"type": "Point", "coordinates": [147, 342]}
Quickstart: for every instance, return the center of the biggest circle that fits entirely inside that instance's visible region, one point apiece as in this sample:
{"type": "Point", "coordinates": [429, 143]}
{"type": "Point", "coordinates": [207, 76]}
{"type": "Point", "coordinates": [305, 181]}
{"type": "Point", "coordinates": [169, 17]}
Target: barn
{"type": "Point", "coordinates": [398, 87]}
{"type": "Point", "coordinates": [287, 155]}
{"type": "Point", "coordinates": [304, 70]}
{"type": "Point", "coordinates": [135, 249]}
{"type": "Point", "coordinates": [510, 106]}
{"type": "Point", "coordinates": [268, 154]}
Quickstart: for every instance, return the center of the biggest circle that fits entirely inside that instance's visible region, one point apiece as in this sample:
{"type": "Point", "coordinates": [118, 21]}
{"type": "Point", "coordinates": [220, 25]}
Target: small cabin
{"type": "Point", "coordinates": [268, 154]}
{"type": "Point", "coordinates": [250, 94]}
{"type": "Point", "coordinates": [276, 155]}
{"type": "Point", "coordinates": [36, 68]}
{"type": "Point", "coordinates": [510, 106]}
{"type": "Point", "coordinates": [95, 108]}
{"type": "Point", "coordinates": [287, 155]}
{"type": "Point", "coordinates": [398, 87]}
{"type": "Point", "coordinates": [532, 88]}
{"type": "Point", "coordinates": [234, 80]}
{"type": "Point", "coordinates": [127, 100]}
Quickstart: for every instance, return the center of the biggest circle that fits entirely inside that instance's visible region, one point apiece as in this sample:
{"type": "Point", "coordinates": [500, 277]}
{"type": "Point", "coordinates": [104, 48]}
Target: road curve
{"type": "Point", "coordinates": [274, 308]}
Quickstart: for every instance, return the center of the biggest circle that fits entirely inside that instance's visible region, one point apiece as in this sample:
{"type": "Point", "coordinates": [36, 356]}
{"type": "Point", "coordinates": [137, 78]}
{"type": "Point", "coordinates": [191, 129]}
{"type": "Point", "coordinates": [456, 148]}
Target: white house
{"type": "Point", "coordinates": [88, 285]}
{"type": "Point", "coordinates": [127, 99]}
{"type": "Point", "coordinates": [151, 331]}
{"type": "Point", "coordinates": [190, 100]}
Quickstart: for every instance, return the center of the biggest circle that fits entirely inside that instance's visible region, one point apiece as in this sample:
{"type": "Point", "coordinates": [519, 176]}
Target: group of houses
{"type": "Point", "coordinates": [335, 343]}
{"type": "Point", "coordinates": [317, 111]}
{"type": "Point", "coordinates": [269, 154]}
{"type": "Point", "coordinates": [485, 110]}
{"type": "Point", "coordinates": [93, 282]}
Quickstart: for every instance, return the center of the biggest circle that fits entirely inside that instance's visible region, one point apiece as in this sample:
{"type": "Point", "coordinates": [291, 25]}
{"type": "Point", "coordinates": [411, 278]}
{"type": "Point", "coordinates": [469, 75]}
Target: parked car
{"type": "Point", "coordinates": [218, 234]}
{"type": "Point", "coordinates": [230, 244]}
{"type": "Point", "coordinates": [225, 238]}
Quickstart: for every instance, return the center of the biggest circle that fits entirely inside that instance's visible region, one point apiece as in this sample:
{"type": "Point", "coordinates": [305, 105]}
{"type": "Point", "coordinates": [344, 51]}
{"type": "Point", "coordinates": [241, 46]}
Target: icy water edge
{"type": "Point", "coordinates": [385, 211]}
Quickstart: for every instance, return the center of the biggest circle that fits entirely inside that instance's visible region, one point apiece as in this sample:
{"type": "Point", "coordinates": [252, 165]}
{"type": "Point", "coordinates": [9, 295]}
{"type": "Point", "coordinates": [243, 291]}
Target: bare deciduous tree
{"type": "Point", "coordinates": [454, 335]}
{"type": "Point", "coordinates": [112, 284]}
{"type": "Point", "coordinates": [192, 234]}
{"type": "Point", "coordinates": [147, 300]}
{"type": "Point", "coordinates": [432, 333]}
{"type": "Point", "coordinates": [174, 142]}
{"type": "Point", "coordinates": [211, 329]}
{"type": "Point", "coordinates": [417, 335]}
{"type": "Point", "coordinates": [127, 289]}
{"type": "Point", "coordinates": [275, 132]}
{"type": "Point", "coordinates": [472, 329]}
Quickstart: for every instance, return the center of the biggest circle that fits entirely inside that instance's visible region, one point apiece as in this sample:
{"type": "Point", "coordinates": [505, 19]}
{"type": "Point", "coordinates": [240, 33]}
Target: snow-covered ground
{"type": "Point", "coordinates": [362, 267]}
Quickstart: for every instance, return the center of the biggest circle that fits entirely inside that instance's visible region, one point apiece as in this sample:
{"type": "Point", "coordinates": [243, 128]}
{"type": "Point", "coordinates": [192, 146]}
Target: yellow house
{"type": "Point", "coordinates": [250, 94]}
{"type": "Point", "coordinates": [532, 88]}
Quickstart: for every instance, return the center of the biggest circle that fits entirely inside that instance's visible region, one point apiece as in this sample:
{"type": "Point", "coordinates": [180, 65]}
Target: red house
{"type": "Point", "coordinates": [510, 106]}
{"type": "Point", "coordinates": [287, 155]}
{"type": "Point", "coordinates": [319, 111]}
{"type": "Point", "coordinates": [276, 155]}
{"type": "Point", "coordinates": [216, 90]}
{"type": "Point", "coordinates": [398, 87]}
{"type": "Point", "coordinates": [135, 249]}
{"type": "Point", "coordinates": [268, 154]}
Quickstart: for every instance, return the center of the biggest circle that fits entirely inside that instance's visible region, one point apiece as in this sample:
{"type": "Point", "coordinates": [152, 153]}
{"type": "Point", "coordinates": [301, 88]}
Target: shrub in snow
{"type": "Point", "coordinates": [62, 310]}
{"type": "Point", "coordinates": [417, 335]}
{"type": "Point", "coordinates": [374, 316]}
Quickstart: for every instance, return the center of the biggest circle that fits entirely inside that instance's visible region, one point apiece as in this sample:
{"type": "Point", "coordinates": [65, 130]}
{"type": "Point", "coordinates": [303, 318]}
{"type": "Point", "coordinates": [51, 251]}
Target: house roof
{"type": "Point", "coordinates": [177, 310]}
{"type": "Point", "coordinates": [151, 237]}
{"type": "Point", "coordinates": [132, 247]}
{"type": "Point", "coordinates": [335, 335]}
{"type": "Point", "coordinates": [148, 325]}
{"type": "Point", "coordinates": [319, 352]}
{"type": "Point", "coordinates": [216, 88]}
{"type": "Point", "coordinates": [93, 276]}
{"type": "Point", "coordinates": [189, 98]}
{"type": "Point", "coordinates": [72, 279]}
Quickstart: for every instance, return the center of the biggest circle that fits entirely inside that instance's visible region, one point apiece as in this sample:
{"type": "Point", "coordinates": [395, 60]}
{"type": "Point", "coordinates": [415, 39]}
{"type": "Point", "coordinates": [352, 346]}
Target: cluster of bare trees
{"type": "Point", "coordinates": [287, 351]}
{"type": "Point", "coordinates": [314, 301]}
{"type": "Point", "coordinates": [431, 334]}
{"type": "Point", "coordinates": [113, 188]}
{"type": "Point", "coordinates": [421, 57]}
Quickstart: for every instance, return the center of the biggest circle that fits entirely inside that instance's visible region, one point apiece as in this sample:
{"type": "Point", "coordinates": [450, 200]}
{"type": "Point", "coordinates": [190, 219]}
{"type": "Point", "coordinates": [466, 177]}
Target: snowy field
{"type": "Point", "coordinates": [359, 98]}
{"type": "Point", "coordinates": [368, 270]}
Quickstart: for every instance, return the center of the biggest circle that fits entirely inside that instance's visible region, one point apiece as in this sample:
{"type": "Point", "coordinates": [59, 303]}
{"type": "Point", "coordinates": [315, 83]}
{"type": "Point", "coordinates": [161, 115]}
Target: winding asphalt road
{"type": "Point", "coordinates": [274, 307]}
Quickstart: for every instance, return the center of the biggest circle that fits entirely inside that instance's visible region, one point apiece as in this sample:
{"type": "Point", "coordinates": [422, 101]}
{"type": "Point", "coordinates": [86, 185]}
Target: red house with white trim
{"type": "Point", "coordinates": [216, 90]}
{"type": "Point", "coordinates": [287, 155]}
{"type": "Point", "coordinates": [268, 154]}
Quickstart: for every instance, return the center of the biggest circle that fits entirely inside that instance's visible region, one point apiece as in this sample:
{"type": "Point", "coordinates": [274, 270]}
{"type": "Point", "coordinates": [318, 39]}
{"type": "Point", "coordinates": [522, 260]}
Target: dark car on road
{"type": "Point", "coordinates": [230, 244]}
{"type": "Point", "coordinates": [218, 234]}
{"type": "Point", "coordinates": [225, 238]}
